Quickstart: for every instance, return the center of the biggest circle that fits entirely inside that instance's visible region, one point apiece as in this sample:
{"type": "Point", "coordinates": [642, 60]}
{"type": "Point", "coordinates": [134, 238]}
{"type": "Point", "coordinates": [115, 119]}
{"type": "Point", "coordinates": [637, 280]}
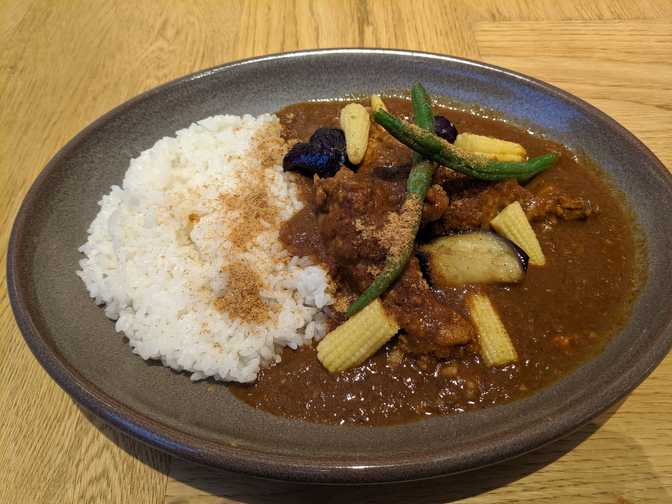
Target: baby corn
{"type": "Point", "coordinates": [496, 346]}
{"type": "Point", "coordinates": [357, 339]}
{"type": "Point", "coordinates": [355, 123]}
{"type": "Point", "coordinates": [512, 223]}
{"type": "Point", "coordinates": [377, 103]}
{"type": "Point", "coordinates": [491, 148]}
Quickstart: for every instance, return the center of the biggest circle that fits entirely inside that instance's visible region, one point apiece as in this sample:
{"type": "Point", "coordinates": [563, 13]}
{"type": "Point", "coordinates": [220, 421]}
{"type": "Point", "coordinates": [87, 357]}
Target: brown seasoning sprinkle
{"type": "Point", "coordinates": [256, 211]}
{"type": "Point", "coordinates": [242, 299]}
{"type": "Point", "coordinates": [400, 227]}
{"type": "Point", "coordinates": [255, 206]}
{"type": "Point", "coordinates": [341, 303]}
{"type": "Point", "coordinates": [367, 231]}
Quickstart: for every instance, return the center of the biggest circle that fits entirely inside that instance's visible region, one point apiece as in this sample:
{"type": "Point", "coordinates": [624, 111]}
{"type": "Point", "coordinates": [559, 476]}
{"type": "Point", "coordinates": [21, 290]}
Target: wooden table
{"type": "Point", "coordinates": [64, 63]}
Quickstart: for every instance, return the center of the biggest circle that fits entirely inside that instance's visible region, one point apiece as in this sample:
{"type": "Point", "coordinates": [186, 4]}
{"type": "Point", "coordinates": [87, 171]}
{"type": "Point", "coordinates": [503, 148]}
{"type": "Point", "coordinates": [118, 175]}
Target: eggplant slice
{"type": "Point", "coordinates": [473, 258]}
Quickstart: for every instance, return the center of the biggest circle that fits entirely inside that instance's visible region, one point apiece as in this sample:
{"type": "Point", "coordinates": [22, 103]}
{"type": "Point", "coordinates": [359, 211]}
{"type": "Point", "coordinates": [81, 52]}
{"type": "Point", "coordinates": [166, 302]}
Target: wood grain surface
{"type": "Point", "coordinates": [64, 63]}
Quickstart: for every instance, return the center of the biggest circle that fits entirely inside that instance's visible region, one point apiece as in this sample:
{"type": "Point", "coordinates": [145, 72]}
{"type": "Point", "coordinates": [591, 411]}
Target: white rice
{"type": "Point", "coordinates": [158, 274]}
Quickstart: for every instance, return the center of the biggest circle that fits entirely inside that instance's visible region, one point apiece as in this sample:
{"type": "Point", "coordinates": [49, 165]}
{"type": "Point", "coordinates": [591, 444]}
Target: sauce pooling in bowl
{"type": "Point", "coordinates": [557, 317]}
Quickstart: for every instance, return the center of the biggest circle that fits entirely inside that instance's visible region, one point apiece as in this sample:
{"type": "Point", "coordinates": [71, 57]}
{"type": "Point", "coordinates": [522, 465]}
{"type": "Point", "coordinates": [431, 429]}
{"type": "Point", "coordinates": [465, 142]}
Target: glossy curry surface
{"type": "Point", "coordinates": [559, 316]}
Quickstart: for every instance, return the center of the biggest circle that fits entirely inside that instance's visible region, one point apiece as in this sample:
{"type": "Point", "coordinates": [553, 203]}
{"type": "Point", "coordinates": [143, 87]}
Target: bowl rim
{"type": "Point", "coordinates": [287, 467]}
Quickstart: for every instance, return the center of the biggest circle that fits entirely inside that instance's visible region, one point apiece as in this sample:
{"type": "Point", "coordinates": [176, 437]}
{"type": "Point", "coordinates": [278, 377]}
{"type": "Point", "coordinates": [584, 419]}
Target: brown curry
{"type": "Point", "coordinates": [558, 316]}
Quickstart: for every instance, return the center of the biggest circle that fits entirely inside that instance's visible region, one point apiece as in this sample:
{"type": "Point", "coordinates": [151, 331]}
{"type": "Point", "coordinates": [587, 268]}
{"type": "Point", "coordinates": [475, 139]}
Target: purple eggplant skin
{"type": "Point", "coordinates": [423, 261]}
{"type": "Point", "coordinates": [329, 138]}
{"type": "Point", "coordinates": [311, 159]}
{"type": "Point", "coordinates": [523, 258]}
{"type": "Point", "coordinates": [477, 257]}
{"type": "Point", "coordinates": [444, 128]}
{"type": "Point", "coordinates": [323, 155]}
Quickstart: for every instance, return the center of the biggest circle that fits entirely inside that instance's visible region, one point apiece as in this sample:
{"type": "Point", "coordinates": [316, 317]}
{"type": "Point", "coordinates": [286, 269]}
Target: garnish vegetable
{"type": "Point", "coordinates": [416, 189]}
{"type": "Point", "coordinates": [355, 121]}
{"type": "Point", "coordinates": [469, 258]}
{"type": "Point", "coordinates": [444, 128]}
{"type": "Point", "coordinates": [512, 223]}
{"type": "Point", "coordinates": [491, 148]}
{"type": "Point", "coordinates": [496, 346]}
{"type": "Point", "coordinates": [357, 339]}
{"type": "Point", "coordinates": [439, 150]}
{"type": "Point", "coordinates": [323, 155]}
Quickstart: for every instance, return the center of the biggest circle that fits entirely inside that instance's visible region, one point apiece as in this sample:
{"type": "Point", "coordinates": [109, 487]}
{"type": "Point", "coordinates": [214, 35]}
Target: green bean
{"type": "Point", "coordinates": [422, 107]}
{"type": "Point", "coordinates": [436, 149]}
{"type": "Point", "coordinates": [417, 184]}
{"type": "Point", "coordinates": [420, 177]}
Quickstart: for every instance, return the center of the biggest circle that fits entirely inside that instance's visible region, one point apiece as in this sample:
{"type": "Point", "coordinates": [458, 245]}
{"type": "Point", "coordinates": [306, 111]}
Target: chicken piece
{"type": "Point", "coordinates": [353, 207]}
{"type": "Point", "coordinates": [431, 327]}
{"type": "Point", "coordinates": [436, 204]}
{"type": "Point", "coordinates": [474, 204]}
{"type": "Point", "coordinates": [451, 180]}
{"type": "Point", "coordinates": [550, 202]}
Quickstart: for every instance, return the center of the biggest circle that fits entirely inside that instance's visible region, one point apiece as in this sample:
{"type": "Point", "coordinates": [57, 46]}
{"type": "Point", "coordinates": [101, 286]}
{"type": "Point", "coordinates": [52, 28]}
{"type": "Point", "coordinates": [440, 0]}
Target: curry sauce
{"type": "Point", "coordinates": [558, 316]}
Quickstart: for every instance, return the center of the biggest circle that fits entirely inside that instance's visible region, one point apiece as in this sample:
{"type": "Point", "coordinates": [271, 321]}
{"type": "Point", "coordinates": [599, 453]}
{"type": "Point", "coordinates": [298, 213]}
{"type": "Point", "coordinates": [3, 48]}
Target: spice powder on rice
{"type": "Point", "coordinates": [256, 212]}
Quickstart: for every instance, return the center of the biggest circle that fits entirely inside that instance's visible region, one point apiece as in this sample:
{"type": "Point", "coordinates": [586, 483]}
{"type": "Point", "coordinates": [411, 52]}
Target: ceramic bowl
{"type": "Point", "coordinates": [78, 346]}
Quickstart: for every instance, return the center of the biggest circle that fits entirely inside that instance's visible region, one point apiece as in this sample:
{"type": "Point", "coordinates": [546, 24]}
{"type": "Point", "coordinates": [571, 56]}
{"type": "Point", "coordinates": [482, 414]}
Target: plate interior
{"type": "Point", "coordinates": [202, 421]}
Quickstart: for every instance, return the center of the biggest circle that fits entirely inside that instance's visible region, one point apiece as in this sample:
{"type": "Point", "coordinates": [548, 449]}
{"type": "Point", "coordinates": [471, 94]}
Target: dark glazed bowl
{"type": "Point", "coordinates": [77, 345]}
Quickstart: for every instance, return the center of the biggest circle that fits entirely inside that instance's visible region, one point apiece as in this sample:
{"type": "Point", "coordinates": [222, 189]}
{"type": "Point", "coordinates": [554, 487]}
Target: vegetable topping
{"type": "Point", "coordinates": [478, 257]}
{"type": "Point", "coordinates": [411, 211]}
{"type": "Point", "coordinates": [445, 129]}
{"type": "Point", "coordinates": [491, 148]}
{"type": "Point", "coordinates": [323, 155]}
{"type": "Point", "coordinates": [512, 223]}
{"type": "Point", "coordinates": [377, 103]}
{"type": "Point", "coordinates": [496, 346]}
{"type": "Point", "coordinates": [357, 339]}
{"type": "Point", "coordinates": [330, 138]}
{"type": "Point", "coordinates": [439, 150]}
{"type": "Point", "coordinates": [355, 122]}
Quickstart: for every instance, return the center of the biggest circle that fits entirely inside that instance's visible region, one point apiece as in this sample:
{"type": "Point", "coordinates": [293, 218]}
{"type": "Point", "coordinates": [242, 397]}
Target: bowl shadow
{"type": "Point", "coordinates": [189, 479]}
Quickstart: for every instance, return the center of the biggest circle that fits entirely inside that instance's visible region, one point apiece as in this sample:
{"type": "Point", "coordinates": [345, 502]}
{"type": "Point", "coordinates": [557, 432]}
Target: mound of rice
{"type": "Point", "coordinates": [186, 256]}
